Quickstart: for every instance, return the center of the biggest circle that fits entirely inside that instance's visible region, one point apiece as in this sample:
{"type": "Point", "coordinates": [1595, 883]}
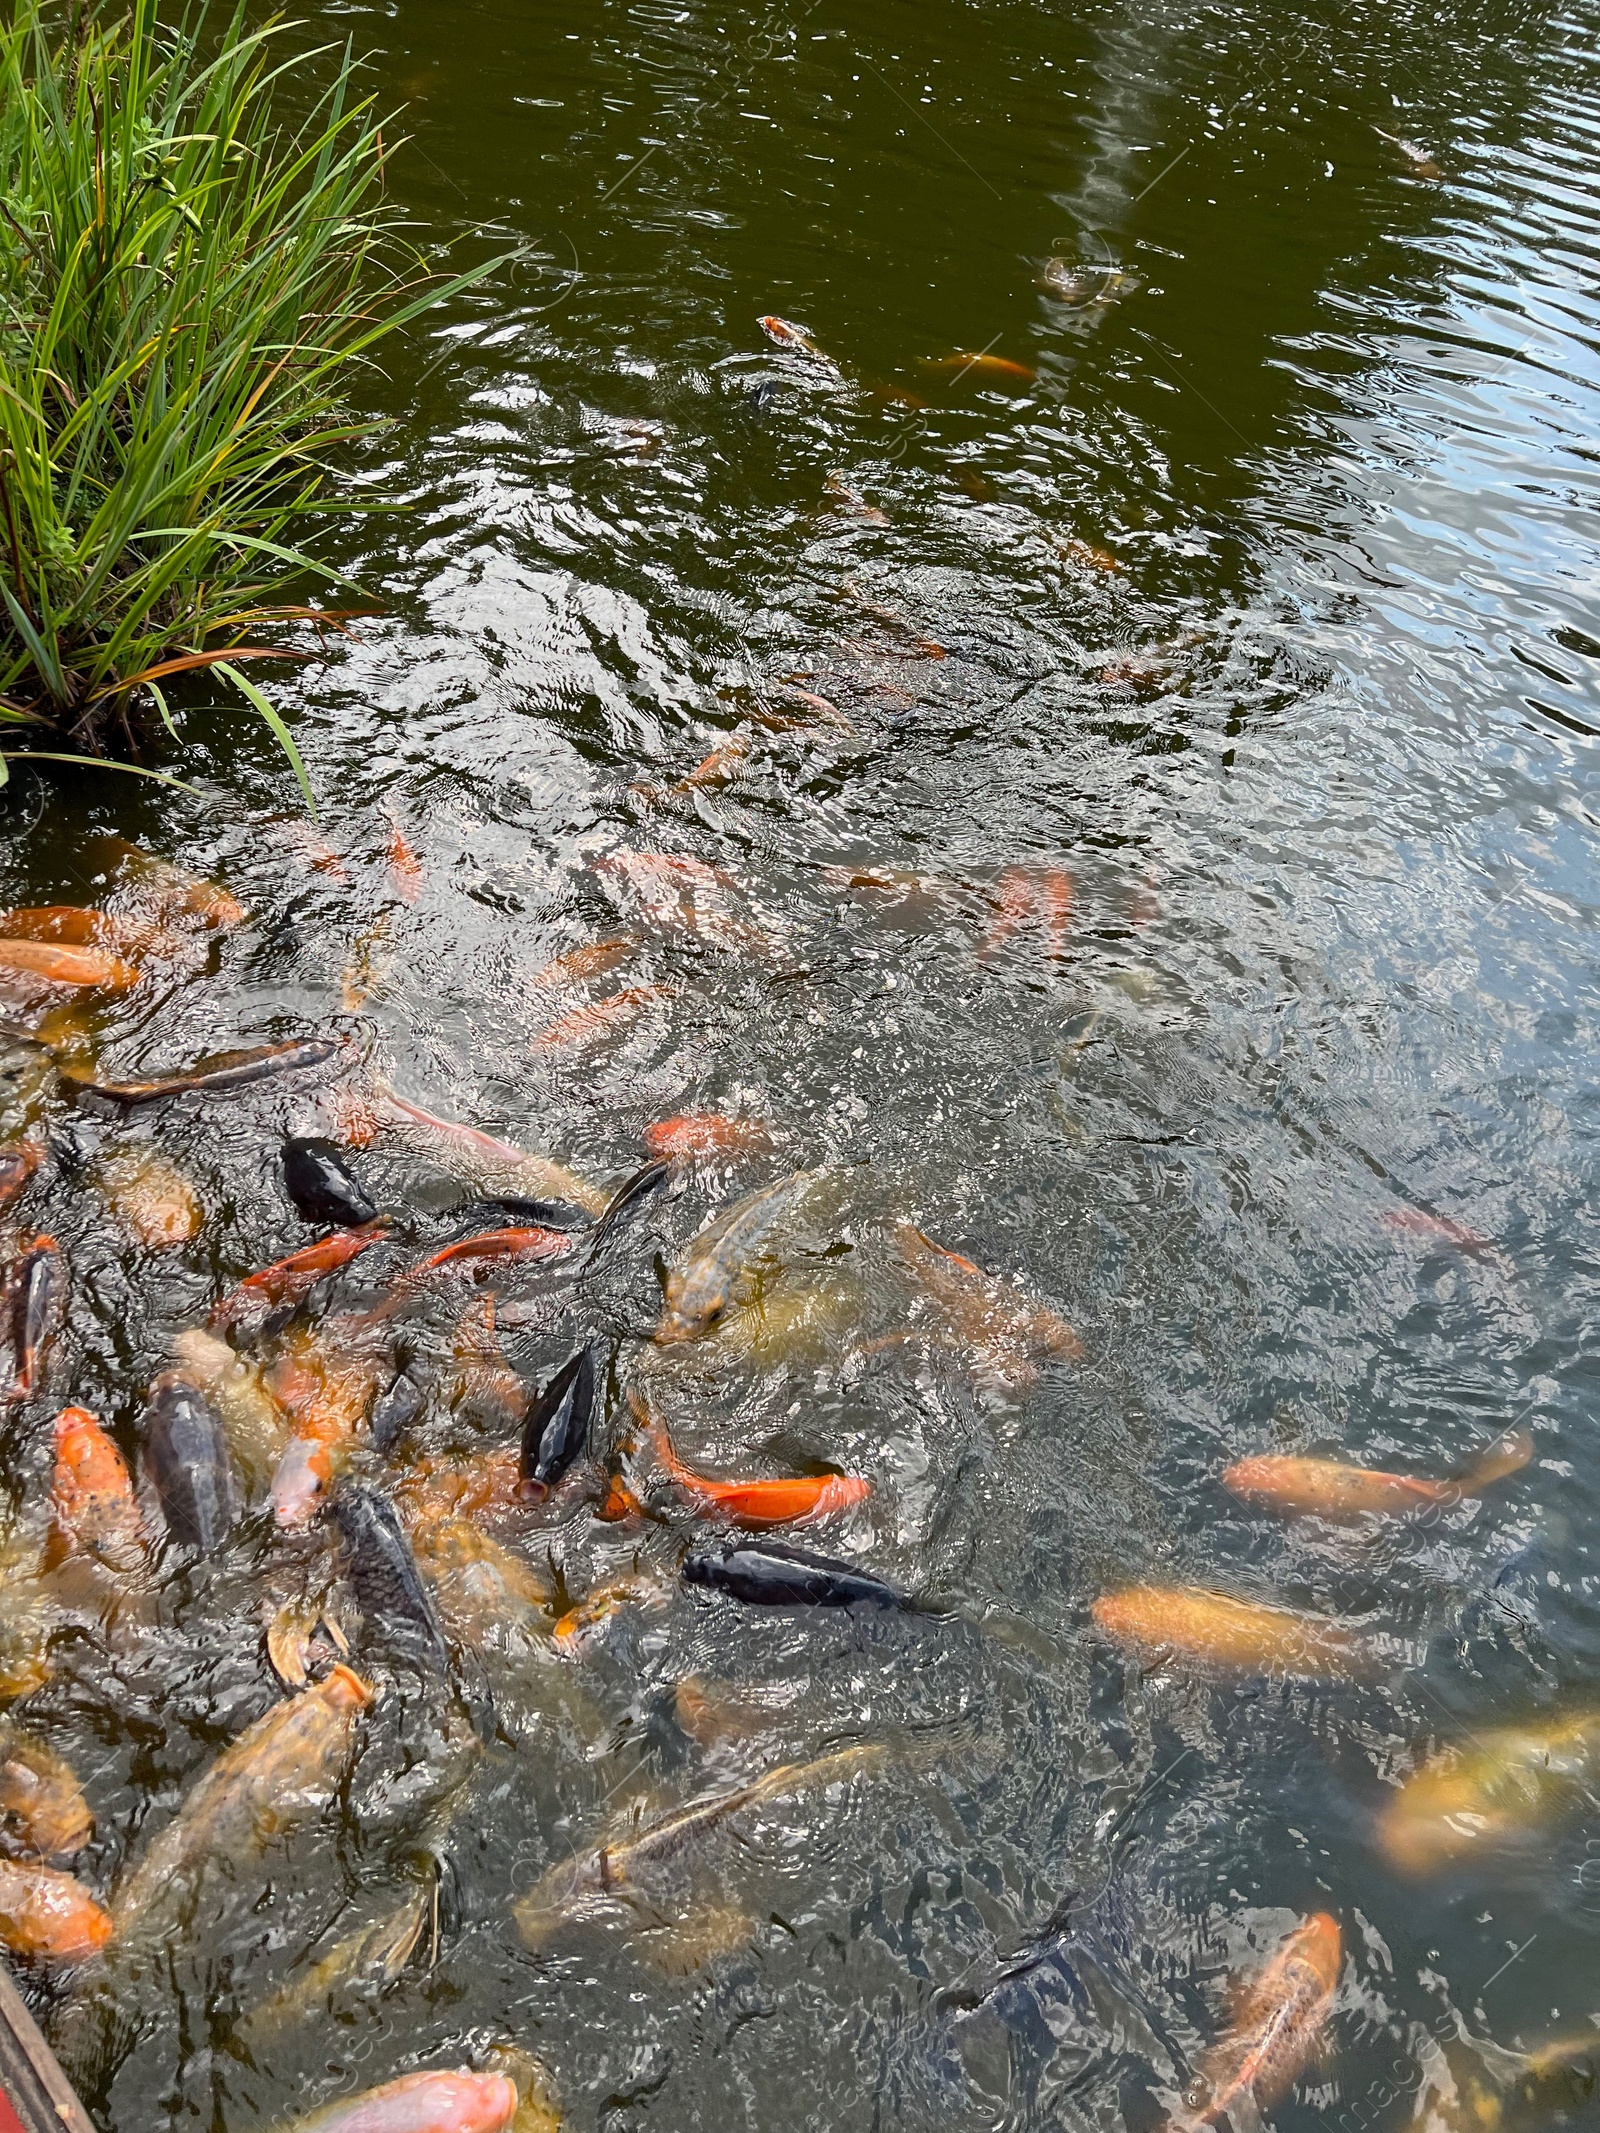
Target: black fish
{"type": "Point", "coordinates": [226, 1070]}
{"type": "Point", "coordinates": [384, 1574]}
{"type": "Point", "coordinates": [557, 1428]}
{"type": "Point", "coordinates": [394, 1412]}
{"type": "Point", "coordinates": [38, 1299]}
{"type": "Point", "coordinates": [496, 1214]}
{"type": "Point", "coordinates": [767, 1574]}
{"type": "Point", "coordinates": [322, 1185]}
{"type": "Point", "coordinates": [629, 1195]}
{"type": "Point", "coordinates": [184, 1453]}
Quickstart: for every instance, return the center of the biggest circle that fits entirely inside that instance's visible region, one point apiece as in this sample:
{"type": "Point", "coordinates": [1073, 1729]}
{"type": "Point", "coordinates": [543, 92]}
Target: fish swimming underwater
{"type": "Point", "coordinates": [1326, 1488]}
{"type": "Point", "coordinates": [1185, 1622]}
{"type": "Point", "coordinates": [322, 1185]}
{"type": "Point", "coordinates": [721, 1266]}
{"type": "Point", "coordinates": [92, 1501]}
{"type": "Point", "coordinates": [1281, 2017]}
{"type": "Point", "coordinates": [1507, 1781]}
{"type": "Point", "coordinates": [771, 1574]}
{"type": "Point", "coordinates": [184, 1456]}
{"type": "Point", "coordinates": [215, 1077]}
{"type": "Point", "coordinates": [460, 2102]}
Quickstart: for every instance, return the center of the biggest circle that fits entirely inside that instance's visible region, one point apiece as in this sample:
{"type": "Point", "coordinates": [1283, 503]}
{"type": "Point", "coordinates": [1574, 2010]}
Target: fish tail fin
{"type": "Point", "coordinates": [1507, 1455]}
{"type": "Point", "coordinates": [661, 1444]}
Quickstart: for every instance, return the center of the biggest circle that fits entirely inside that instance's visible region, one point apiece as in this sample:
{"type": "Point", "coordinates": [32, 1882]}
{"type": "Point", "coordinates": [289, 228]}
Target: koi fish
{"type": "Point", "coordinates": [18, 1162]}
{"type": "Point", "coordinates": [1007, 1331]}
{"type": "Point", "coordinates": [1434, 1229]}
{"type": "Point", "coordinates": [487, 1597]}
{"type": "Point", "coordinates": [254, 1423]}
{"type": "Point", "coordinates": [383, 1574]}
{"type": "Point", "coordinates": [581, 1625]}
{"type": "Point", "coordinates": [486, 1486]}
{"type": "Point", "coordinates": [762, 1503]}
{"type": "Point", "coordinates": [365, 967]}
{"type": "Point", "coordinates": [1324, 1488]}
{"type": "Point", "coordinates": [722, 1264]}
{"type": "Point", "coordinates": [598, 1882]}
{"type": "Point", "coordinates": [495, 1244]}
{"type": "Point", "coordinates": [289, 1281]}
{"type": "Point", "coordinates": [542, 1174]}
{"type": "Point", "coordinates": [1081, 286]}
{"type": "Point", "coordinates": [784, 335]}
{"type": "Point", "coordinates": [327, 1381]}
{"type": "Point", "coordinates": [705, 1133]}
{"type": "Point", "coordinates": [49, 963]}
{"type": "Point", "coordinates": [394, 1412]}
{"type": "Point", "coordinates": [78, 928]}
{"type": "Point", "coordinates": [184, 1454]}
{"type": "Point", "coordinates": [322, 1185]}
{"type": "Point", "coordinates": [1025, 898]}
{"type": "Point", "coordinates": [557, 1428]}
{"type": "Point", "coordinates": [405, 868]}
{"type": "Point", "coordinates": [592, 961]}
{"type": "Point", "coordinates": [47, 1914]}
{"type": "Point", "coordinates": [1235, 1636]}
{"type": "Point", "coordinates": [280, 1773]}
{"type": "Point", "coordinates": [172, 891]}
{"type": "Point", "coordinates": [602, 1018]}
{"type": "Point", "coordinates": [43, 1813]}
{"type": "Point", "coordinates": [217, 1076]}
{"type": "Point", "coordinates": [459, 2102]}
{"type": "Point", "coordinates": [618, 1502]}
{"type": "Point", "coordinates": [674, 891]}
{"type": "Point", "coordinates": [152, 1198]}
{"type": "Point", "coordinates": [1508, 1779]}
{"type": "Point", "coordinates": [1086, 555]}
{"type": "Point", "coordinates": [961, 364]}
{"type": "Point", "coordinates": [720, 767]}
{"type": "Point", "coordinates": [1421, 162]}
{"type": "Point", "coordinates": [38, 1284]}
{"type": "Point", "coordinates": [768, 1574]}
{"type": "Point", "coordinates": [486, 1388]}
{"type": "Point", "coordinates": [371, 1957]}
{"type": "Point", "coordinates": [92, 1502]}
{"type": "Point", "coordinates": [1280, 2023]}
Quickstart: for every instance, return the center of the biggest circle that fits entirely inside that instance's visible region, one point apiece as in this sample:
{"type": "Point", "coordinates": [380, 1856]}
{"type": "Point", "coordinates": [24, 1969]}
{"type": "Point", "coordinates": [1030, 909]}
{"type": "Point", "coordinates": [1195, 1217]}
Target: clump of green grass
{"type": "Point", "coordinates": [189, 281]}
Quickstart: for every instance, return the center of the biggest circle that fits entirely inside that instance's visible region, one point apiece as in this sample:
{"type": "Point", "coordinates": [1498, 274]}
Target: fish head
{"type": "Point", "coordinates": [1319, 1945]}
{"type": "Point", "coordinates": [41, 1807]}
{"type": "Point", "coordinates": [693, 1307]}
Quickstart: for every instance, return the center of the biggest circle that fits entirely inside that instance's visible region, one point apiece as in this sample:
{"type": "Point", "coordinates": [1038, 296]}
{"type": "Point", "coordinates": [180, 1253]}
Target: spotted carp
{"type": "Point", "coordinates": [152, 1198]}
{"type": "Point", "coordinates": [1006, 1330]}
{"type": "Point", "coordinates": [597, 1883]}
{"type": "Point", "coordinates": [722, 1265]}
{"type": "Point", "coordinates": [1187, 1623]}
{"type": "Point", "coordinates": [280, 1773]}
{"type": "Point", "coordinates": [37, 1281]}
{"type": "Point", "coordinates": [288, 1282]}
{"type": "Point", "coordinates": [48, 1915]}
{"type": "Point", "coordinates": [184, 1455]}
{"type": "Point", "coordinates": [557, 1429]}
{"type": "Point", "coordinates": [217, 1076]}
{"type": "Point", "coordinates": [1505, 1781]}
{"type": "Point", "coordinates": [255, 1425]}
{"type": "Point", "coordinates": [47, 963]}
{"type": "Point", "coordinates": [1325, 1488]}
{"type": "Point", "coordinates": [322, 1185]}
{"type": "Point", "coordinates": [421, 2103]}
{"type": "Point", "coordinates": [761, 1503]}
{"type": "Point", "coordinates": [43, 1813]}
{"type": "Point", "coordinates": [705, 1133]}
{"type": "Point", "coordinates": [92, 1502]}
{"type": "Point", "coordinates": [769, 1574]}
{"type": "Point", "coordinates": [1281, 2017]}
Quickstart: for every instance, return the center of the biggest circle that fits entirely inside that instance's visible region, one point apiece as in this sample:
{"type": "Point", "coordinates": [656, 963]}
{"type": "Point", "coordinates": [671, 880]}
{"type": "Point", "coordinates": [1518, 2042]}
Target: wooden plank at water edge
{"type": "Point", "coordinates": [35, 2095]}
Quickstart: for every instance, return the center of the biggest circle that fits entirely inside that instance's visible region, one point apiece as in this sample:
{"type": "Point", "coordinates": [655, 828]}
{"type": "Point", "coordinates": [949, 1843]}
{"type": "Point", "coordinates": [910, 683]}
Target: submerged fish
{"type": "Point", "coordinates": [255, 1425]}
{"type": "Point", "coordinates": [762, 1503]}
{"type": "Point", "coordinates": [1420, 160]}
{"type": "Point", "coordinates": [322, 1185]}
{"type": "Point", "coordinates": [1005, 1329]}
{"type": "Point", "coordinates": [281, 1772]}
{"type": "Point", "coordinates": [327, 1381]}
{"type": "Point", "coordinates": [485, 1388]}
{"type": "Point", "coordinates": [582, 1625]}
{"type": "Point", "coordinates": [152, 1198]}
{"type": "Point", "coordinates": [536, 1173]}
{"type": "Point", "coordinates": [78, 927]}
{"type": "Point", "coordinates": [768, 1574]}
{"type": "Point", "coordinates": [705, 1133]}
{"type": "Point", "coordinates": [43, 1813]}
{"type": "Point", "coordinates": [1025, 897]}
{"type": "Point", "coordinates": [382, 1571]}
{"type": "Point", "coordinates": [216, 1076]}
{"type": "Point", "coordinates": [1278, 2027]}
{"type": "Point", "coordinates": [557, 1429]}
{"type": "Point", "coordinates": [368, 1959]}
{"type": "Point", "coordinates": [597, 1883]}
{"type": "Point", "coordinates": [92, 1501]}
{"type": "Point", "coordinates": [591, 961]}
{"type": "Point", "coordinates": [1188, 1623]}
{"type": "Point", "coordinates": [405, 868]}
{"type": "Point", "coordinates": [488, 1598]}
{"type": "Point", "coordinates": [393, 1413]}
{"type": "Point", "coordinates": [721, 1265]}
{"type": "Point", "coordinates": [1434, 1229]}
{"type": "Point", "coordinates": [46, 963]}
{"type": "Point", "coordinates": [961, 364]}
{"type": "Point", "coordinates": [38, 1286]}
{"type": "Point", "coordinates": [602, 1018]}
{"type": "Point", "coordinates": [1506, 1781]}
{"type": "Point", "coordinates": [1081, 286]}
{"type": "Point", "coordinates": [1325, 1488]}
{"type": "Point", "coordinates": [460, 2102]}
{"type": "Point", "coordinates": [18, 1162]}
{"type": "Point", "coordinates": [47, 1914]}
{"type": "Point", "coordinates": [184, 1454]}
{"type": "Point", "coordinates": [784, 335]}
{"type": "Point", "coordinates": [168, 891]}
{"type": "Point", "coordinates": [289, 1281]}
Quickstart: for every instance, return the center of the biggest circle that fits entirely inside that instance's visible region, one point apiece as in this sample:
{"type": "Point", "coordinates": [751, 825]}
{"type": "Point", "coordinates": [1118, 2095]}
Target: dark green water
{"type": "Point", "coordinates": [1318, 758]}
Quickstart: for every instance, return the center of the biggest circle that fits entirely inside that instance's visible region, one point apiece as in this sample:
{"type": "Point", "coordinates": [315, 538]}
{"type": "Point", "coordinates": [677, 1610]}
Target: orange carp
{"type": "Point", "coordinates": [1503, 1782]}
{"type": "Point", "coordinates": [784, 335]}
{"type": "Point", "coordinates": [18, 1162]}
{"type": "Point", "coordinates": [1282, 2015]}
{"type": "Point", "coordinates": [1005, 1329]}
{"type": "Point", "coordinates": [590, 961]}
{"type": "Point", "coordinates": [290, 1281]}
{"type": "Point", "coordinates": [325, 1382]}
{"type": "Point", "coordinates": [152, 1198]}
{"type": "Point", "coordinates": [962, 363]}
{"type": "Point", "coordinates": [1233, 1636]}
{"type": "Point", "coordinates": [422, 2103]}
{"type": "Point", "coordinates": [1325, 1488]}
{"type": "Point", "coordinates": [91, 1495]}
{"type": "Point", "coordinates": [602, 1018]}
{"type": "Point", "coordinates": [1027, 898]}
{"type": "Point", "coordinates": [405, 868]}
{"type": "Point", "coordinates": [721, 1266]}
{"type": "Point", "coordinates": [47, 1914]}
{"type": "Point", "coordinates": [281, 1772]}
{"type": "Point", "coordinates": [43, 1813]}
{"type": "Point", "coordinates": [705, 1133]}
{"type": "Point", "coordinates": [52, 963]}
{"type": "Point", "coordinates": [762, 1503]}
{"type": "Point", "coordinates": [38, 1283]}
{"type": "Point", "coordinates": [528, 1242]}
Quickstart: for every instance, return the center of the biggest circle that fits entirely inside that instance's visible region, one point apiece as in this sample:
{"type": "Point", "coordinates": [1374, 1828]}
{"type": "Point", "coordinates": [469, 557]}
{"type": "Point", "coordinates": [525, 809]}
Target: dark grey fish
{"type": "Point", "coordinates": [510, 1208]}
{"type": "Point", "coordinates": [768, 1574]}
{"type": "Point", "coordinates": [214, 1076]}
{"type": "Point", "coordinates": [629, 1197]}
{"type": "Point", "coordinates": [383, 1573]}
{"type": "Point", "coordinates": [394, 1412]}
{"type": "Point", "coordinates": [38, 1302]}
{"type": "Point", "coordinates": [322, 1185]}
{"type": "Point", "coordinates": [557, 1428]}
{"type": "Point", "coordinates": [183, 1451]}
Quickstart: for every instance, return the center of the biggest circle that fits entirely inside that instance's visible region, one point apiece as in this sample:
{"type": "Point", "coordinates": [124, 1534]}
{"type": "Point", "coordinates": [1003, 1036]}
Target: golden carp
{"type": "Point", "coordinates": [371, 1957]}
{"type": "Point", "coordinates": [255, 1425]}
{"type": "Point", "coordinates": [1325, 1488]}
{"type": "Point", "coordinates": [152, 1199]}
{"type": "Point", "coordinates": [43, 1813]}
{"type": "Point", "coordinates": [597, 1883]}
{"type": "Point", "coordinates": [1281, 2017]}
{"type": "Point", "coordinates": [362, 1118]}
{"type": "Point", "coordinates": [91, 1496]}
{"type": "Point", "coordinates": [486, 1485]}
{"type": "Point", "coordinates": [47, 1914]}
{"type": "Point", "coordinates": [1187, 1623]}
{"type": "Point", "coordinates": [281, 1772]}
{"type": "Point", "coordinates": [1026, 897]}
{"type": "Point", "coordinates": [1474, 1798]}
{"type": "Point", "coordinates": [963, 364]}
{"type": "Point", "coordinates": [326, 1380]}
{"type": "Point", "coordinates": [459, 2102]}
{"type": "Point", "coordinates": [167, 891]}
{"type": "Point", "coordinates": [487, 1598]}
{"type": "Point", "coordinates": [405, 868]}
{"type": "Point", "coordinates": [224, 1072]}
{"type": "Point", "coordinates": [722, 1265]}
{"type": "Point", "coordinates": [18, 1162]}
{"type": "Point", "coordinates": [1006, 1331]}
{"type": "Point", "coordinates": [1419, 161]}
{"type": "Point", "coordinates": [586, 1623]}
{"type": "Point", "coordinates": [486, 1388]}
{"type": "Point", "coordinates": [78, 927]}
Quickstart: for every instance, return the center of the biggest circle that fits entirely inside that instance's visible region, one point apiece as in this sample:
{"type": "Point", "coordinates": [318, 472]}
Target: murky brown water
{"type": "Point", "coordinates": [1170, 937]}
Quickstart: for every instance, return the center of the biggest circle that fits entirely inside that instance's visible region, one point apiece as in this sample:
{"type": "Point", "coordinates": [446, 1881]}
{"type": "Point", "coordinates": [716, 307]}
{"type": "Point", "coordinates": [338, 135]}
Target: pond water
{"type": "Point", "coordinates": [1154, 857]}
